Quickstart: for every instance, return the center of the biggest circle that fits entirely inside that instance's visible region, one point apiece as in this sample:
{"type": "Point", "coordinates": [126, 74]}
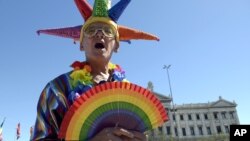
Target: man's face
{"type": "Point", "coordinates": [99, 42]}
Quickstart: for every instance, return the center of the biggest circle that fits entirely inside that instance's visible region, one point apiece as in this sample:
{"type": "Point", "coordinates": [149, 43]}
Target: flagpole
{"type": "Point", "coordinates": [3, 121]}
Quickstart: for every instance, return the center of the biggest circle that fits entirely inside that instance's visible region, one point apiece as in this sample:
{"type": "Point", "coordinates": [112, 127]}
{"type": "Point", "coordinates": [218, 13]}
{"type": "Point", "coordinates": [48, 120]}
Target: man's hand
{"type": "Point", "coordinates": [119, 134]}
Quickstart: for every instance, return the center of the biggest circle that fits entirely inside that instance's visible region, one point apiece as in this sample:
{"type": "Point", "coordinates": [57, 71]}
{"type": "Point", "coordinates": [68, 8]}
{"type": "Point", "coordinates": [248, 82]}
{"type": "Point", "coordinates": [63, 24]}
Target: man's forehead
{"type": "Point", "coordinates": [98, 24]}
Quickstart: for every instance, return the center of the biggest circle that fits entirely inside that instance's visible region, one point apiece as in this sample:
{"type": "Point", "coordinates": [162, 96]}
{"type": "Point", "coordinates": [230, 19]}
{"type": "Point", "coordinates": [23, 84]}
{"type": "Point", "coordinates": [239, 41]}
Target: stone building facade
{"type": "Point", "coordinates": [199, 121]}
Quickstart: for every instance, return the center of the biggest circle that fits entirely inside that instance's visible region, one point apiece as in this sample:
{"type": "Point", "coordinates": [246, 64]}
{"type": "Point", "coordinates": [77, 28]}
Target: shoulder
{"type": "Point", "coordinates": [61, 79]}
{"type": "Point", "coordinates": [60, 83]}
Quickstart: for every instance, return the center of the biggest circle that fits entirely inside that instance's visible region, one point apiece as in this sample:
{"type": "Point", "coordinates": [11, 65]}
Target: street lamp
{"type": "Point", "coordinates": [169, 83]}
{"type": "Point", "coordinates": [171, 95]}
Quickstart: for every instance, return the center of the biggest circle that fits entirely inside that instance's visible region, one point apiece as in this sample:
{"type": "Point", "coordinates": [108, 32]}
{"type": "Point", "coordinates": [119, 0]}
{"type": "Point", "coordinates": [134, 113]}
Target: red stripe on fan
{"type": "Point", "coordinates": [157, 103]}
{"type": "Point", "coordinates": [165, 118]}
{"type": "Point", "coordinates": [98, 89]}
{"type": "Point", "coordinates": [119, 84]}
{"type": "Point", "coordinates": [103, 87]}
{"type": "Point", "coordinates": [92, 92]}
{"type": "Point", "coordinates": [141, 90]}
{"type": "Point", "coordinates": [161, 108]}
{"type": "Point", "coordinates": [108, 86]}
{"type": "Point", "coordinates": [146, 93]}
{"type": "Point", "coordinates": [137, 88]}
{"type": "Point", "coordinates": [112, 85]}
{"type": "Point", "coordinates": [76, 105]}
{"type": "Point", "coordinates": [64, 125]}
{"type": "Point", "coordinates": [116, 85]}
{"type": "Point", "coordinates": [151, 97]}
{"type": "Point", "coordinates": [85, 97]}
{"type": "Point", "coordinates": [132, 87]}
{"type": "Point", "coordinates": [80, 100]}
{"type": "Point", "coordinates": [127, 86]}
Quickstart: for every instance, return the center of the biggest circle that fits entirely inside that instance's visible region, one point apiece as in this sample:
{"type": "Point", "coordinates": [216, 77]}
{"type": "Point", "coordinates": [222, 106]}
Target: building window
{"type": "Point", "coordinates": [197, 116]}
{"type": "Point", "coordinates": [176, 131]}
{"type": "Point", "coordinates": [215, 115]}
{"type": "Point", "coordinates": [189, 117]}
{"type": "Point", "coordinates": [192, 131]}
{"type": "Point", "coordinates": [209, 131]}
{"type": "Point", "coordinates": [181, 117]}
{"type": "Point", "coordinates": [205, 116]}
{"type": "Point", "coordinates": [160, 130]}
{"type": "Point", "coordinates": [231, 114]}
{"type": "Point", "coordinates": [173, 116]}
{"type": "Point", "coordinates": [167, 110]}
{"type": "Point", "coordinates": [183, 131]}
{"type": "Point", "coordinates": [218, 129]}
{"type": "Point", "coordinates": [226, 128]}
{"type": "Point", "coordinates": [200, 130]}
{"type": "Point", "coordinates": [168, 130]}
{"type": "Point", "coordinates": [223, 115]}
{"type": "Point", "coordinates": [153, 133]}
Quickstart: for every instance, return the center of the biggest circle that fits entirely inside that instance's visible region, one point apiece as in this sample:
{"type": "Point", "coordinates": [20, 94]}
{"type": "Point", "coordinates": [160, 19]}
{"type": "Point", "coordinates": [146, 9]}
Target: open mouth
{"type": "Point", "coordinates": [99, 45]}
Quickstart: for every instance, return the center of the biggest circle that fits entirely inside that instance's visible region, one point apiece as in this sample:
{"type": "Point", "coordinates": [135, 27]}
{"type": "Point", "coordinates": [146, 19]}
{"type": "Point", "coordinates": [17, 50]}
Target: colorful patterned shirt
{"type": "Point", "coordinates": [60, 93]}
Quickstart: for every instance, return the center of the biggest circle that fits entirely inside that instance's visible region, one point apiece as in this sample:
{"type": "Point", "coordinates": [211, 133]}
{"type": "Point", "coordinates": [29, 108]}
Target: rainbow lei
{"type": "Point", "coordinates": [81, 74]}
{"type": "Point", "coordinates": [81, 79]}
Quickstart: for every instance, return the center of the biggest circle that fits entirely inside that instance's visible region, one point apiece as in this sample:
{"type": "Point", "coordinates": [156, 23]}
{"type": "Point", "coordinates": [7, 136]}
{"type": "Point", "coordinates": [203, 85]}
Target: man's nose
{"type": "Point", "coordinates": [99, 34]}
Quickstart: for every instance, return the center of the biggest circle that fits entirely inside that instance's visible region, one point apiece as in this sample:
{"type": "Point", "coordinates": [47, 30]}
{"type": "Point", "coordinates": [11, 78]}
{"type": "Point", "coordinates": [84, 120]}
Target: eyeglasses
{"type": "Point", "coordinates": [91, 31]}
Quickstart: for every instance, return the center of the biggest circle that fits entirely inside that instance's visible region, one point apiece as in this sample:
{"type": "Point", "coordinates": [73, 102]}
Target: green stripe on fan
{"type": "Point", "coordinates": [108, 107]}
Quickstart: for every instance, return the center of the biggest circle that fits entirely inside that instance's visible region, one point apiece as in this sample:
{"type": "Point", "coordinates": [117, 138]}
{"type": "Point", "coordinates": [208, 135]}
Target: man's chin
{"type": "Point", "coordinates": [100, 53]}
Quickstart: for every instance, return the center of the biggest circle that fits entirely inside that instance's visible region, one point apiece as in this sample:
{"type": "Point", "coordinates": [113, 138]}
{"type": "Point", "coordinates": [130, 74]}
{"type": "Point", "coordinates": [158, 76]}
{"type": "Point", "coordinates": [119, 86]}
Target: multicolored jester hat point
{"type": "Point", "coordinates": [100, 11]}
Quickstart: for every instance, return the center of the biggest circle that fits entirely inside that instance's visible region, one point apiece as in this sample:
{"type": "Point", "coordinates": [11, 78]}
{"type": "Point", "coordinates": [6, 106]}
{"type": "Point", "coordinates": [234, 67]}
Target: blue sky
{"type": "Point", "coordinates": [206, 42]}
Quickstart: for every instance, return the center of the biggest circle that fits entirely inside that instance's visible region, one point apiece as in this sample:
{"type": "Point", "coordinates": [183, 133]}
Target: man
{"type": "Point", "coordinates": [99, 38]}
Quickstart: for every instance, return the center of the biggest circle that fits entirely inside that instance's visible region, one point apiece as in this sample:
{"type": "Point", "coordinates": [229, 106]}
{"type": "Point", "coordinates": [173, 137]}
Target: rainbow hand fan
{"type": "Point", "coordinates": [111, 104]}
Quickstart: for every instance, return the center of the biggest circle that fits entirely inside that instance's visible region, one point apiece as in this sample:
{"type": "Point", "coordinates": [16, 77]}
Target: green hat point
{"type": "Point", "coordinates": [101, 8]}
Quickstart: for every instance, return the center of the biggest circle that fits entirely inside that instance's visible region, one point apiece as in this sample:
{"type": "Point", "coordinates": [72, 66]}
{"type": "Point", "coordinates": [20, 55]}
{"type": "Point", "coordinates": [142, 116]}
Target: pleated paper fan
{"type": "Point", "coordinates": [111, 104]}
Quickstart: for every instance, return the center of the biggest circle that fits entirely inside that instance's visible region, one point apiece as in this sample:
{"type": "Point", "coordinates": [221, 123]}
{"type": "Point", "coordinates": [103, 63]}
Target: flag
{"type": "Point", "coordinates": [1, 138]}
{"type": "Point", "coordinates": [18, 131]}
{"type": "Point", "coordinates": [1, 129]}
{"type": "Point", "coordinates": [31, 131]}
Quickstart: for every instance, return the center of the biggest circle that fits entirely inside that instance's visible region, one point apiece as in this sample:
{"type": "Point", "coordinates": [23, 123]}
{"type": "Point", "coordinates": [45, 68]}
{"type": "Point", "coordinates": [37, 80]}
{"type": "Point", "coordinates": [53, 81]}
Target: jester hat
{"type": "Point", "coordinates": [101, 12]}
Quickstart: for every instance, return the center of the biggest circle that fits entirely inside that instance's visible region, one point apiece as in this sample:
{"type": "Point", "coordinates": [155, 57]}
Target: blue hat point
{"type": "Point", "coordinates": [116, 11]}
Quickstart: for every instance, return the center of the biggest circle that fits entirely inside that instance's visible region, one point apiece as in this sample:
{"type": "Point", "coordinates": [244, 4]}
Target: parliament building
{"type": "Point", "coordinates": [196, 122]}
